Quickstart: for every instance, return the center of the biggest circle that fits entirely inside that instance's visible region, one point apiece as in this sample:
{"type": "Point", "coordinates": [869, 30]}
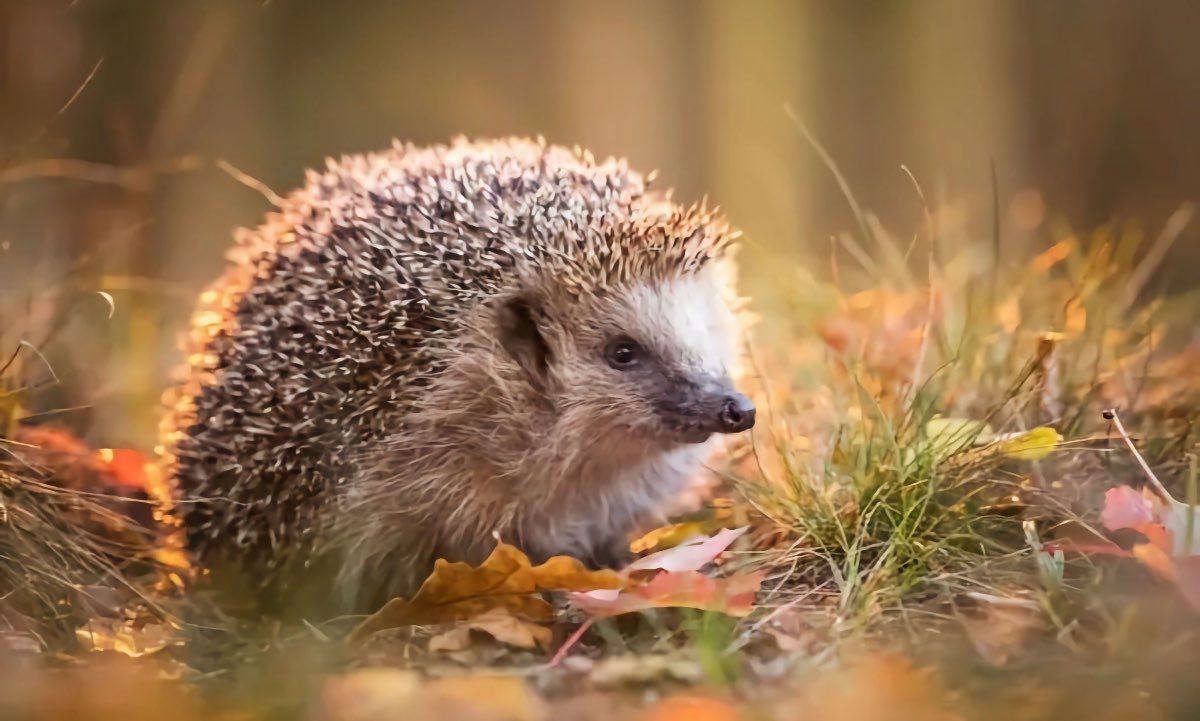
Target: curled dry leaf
{"type": "Point", "coordinates": [498, 623]}
{"type": "Point", "coordinates": [458, 591]}
{"type": "Point", "coordinates": [682, 532]}
{"type": "Point", "coordinates": [691, 555]}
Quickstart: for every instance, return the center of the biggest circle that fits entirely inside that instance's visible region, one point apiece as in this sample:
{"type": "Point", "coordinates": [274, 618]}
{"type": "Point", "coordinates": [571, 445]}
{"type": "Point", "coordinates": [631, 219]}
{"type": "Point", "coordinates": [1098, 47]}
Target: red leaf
{"type": "Point", "coordinates": [1126, 508]}
{"type": "Point", "coordinates": [1158, 520]}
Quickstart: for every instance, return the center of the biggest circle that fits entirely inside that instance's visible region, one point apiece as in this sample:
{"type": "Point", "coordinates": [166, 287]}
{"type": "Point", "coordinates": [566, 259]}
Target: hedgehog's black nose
{"type": "Point", "coordinates": [737, 414]}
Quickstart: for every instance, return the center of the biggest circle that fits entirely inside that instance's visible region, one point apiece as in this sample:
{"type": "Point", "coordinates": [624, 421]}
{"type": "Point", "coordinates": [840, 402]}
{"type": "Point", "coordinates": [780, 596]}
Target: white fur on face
{"type": "Point", "coordinates": [688, 322]}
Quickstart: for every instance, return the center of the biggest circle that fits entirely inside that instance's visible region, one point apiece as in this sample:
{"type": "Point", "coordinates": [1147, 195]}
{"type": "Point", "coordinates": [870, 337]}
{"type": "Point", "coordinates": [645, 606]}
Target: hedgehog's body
{"type": "Point", "coordinates": [425, 348]}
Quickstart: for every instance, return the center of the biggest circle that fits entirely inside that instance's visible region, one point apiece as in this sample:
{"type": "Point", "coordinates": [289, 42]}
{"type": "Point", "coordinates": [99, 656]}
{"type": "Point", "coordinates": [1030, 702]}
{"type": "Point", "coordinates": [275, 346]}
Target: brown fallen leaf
{"type": "Point", "coordinates": [108, 634]}
{"type": "Point", "coordinates": [458, 591]}
{"type": "Point", "coordinates": [998, 626]}
{"type": "Point", "coordinates": [498, 623]}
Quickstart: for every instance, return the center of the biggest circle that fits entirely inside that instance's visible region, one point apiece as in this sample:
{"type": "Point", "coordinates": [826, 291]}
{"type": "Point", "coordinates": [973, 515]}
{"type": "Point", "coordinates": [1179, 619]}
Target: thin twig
{"type": "Point", "coordinates": [135, 178]}
{"type": "Point", "coordinates": [251, 182]}
{"type": "Point", "coordinates": [571, 641]}
{"type": "Point", "coordinates": [46, 126]}
{"type": "Point", "coordinates": [1161, 490]}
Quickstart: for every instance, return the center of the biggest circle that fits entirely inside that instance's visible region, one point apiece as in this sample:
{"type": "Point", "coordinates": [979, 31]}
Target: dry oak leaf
{"type": "Point", "coordinates": [507, 579]}
{"type": "Point", "coordinates": [498, 623]}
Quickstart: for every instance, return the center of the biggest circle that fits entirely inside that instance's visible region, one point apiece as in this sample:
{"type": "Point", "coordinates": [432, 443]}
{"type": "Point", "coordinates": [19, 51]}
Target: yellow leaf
{"type": "Point", "coordinates": [458, 591]}
{"type": "Point", "coordinates": [948, 436]}
{"type": "Point", "coordinates": [675, 534]}
{"type": "Point", "coordinates": [563, 573]}
{"type": "Point", "coordinates": [1032, 445]}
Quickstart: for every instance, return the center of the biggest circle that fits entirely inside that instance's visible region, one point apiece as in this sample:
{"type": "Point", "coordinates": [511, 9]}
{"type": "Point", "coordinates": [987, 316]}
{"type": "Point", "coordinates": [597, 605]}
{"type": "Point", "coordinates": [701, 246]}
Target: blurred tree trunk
{"type": "Point", "coordinates": [624, 81]}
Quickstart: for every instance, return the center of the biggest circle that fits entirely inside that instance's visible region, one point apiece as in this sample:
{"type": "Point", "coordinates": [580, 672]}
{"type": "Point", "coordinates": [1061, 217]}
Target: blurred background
{"type": "Point", "coordinates": [116, 115]}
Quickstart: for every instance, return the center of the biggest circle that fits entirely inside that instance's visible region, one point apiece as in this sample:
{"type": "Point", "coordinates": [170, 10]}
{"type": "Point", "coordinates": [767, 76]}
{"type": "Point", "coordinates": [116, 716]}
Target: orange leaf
{"type": "Point", "coordinates": [686, 589]}
{"type": "Point", "coordinates": [1157, 560]}
{"type": "Point", "coordinates": [127, 467]}
{"type": "Point", "coordinates": [458, 591]}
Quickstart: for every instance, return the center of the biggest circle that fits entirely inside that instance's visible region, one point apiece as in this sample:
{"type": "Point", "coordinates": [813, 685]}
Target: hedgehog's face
{"type": "Point", "coordinates": [652, 361]}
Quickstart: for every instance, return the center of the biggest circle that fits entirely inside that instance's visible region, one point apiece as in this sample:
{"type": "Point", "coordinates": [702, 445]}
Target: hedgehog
{"type": "Point", "coordinates": [428, 348]}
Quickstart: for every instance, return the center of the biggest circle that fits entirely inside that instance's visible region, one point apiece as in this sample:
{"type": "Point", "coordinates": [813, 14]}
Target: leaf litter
{"type": "Point", "coordinates": [885, 340]}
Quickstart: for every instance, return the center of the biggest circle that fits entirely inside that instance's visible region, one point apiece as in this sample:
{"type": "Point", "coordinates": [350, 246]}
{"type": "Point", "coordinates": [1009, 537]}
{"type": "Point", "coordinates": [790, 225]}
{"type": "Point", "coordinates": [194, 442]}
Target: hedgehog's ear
{"type": "Point", "coordinates": [520, 335]}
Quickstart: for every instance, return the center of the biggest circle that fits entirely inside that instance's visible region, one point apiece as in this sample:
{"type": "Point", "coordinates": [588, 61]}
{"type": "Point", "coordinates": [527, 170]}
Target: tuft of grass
{"type": "Point", "coordinates": [74, 545]}
{"type": "Point", "coordinates": [883, 461]}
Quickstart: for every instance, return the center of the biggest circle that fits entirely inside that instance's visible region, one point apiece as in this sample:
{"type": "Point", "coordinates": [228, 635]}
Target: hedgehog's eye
{"type": "Point", "coordinates": [623, 353]}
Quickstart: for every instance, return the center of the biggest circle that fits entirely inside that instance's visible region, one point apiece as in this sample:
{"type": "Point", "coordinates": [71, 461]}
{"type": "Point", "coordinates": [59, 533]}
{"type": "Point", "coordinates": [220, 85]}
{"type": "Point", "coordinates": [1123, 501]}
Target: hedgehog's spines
{"type": "Point", "coordinates": [337, 312]}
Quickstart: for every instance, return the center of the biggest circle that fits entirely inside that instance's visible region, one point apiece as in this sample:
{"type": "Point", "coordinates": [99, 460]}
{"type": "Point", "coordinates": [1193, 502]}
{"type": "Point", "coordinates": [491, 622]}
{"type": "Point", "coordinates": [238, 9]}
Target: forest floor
{"type": "Point", "coordinates": [969, 496]}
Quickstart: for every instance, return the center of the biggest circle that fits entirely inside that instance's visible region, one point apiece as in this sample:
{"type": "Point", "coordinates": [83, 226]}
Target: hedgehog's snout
{"type": "Point", "coordinates": [696, 411]}
{"type": "Point", "coordinates": [737, 414]}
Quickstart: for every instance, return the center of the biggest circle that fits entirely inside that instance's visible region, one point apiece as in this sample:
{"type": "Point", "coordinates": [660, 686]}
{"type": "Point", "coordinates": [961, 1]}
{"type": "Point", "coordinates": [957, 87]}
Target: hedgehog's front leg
{"type": "Point", "coordinates": [610, 553]}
